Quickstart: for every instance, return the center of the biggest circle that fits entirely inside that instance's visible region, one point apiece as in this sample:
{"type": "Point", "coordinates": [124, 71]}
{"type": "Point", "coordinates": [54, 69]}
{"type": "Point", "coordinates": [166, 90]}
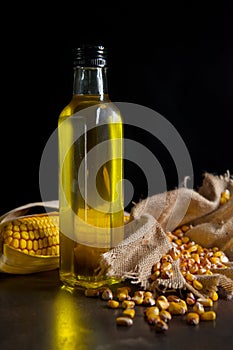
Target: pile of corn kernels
{"type": "Point", "coordinates": [158, 310]}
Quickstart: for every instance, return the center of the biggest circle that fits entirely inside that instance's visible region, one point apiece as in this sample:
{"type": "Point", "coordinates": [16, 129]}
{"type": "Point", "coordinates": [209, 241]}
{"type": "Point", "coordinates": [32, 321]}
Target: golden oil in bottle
{"type": "Point", "coordinates": [90, 134]}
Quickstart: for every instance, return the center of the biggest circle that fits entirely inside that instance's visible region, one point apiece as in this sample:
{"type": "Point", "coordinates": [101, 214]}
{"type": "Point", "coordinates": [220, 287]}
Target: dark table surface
{"type": "Point", "coordinates": [37, 312]}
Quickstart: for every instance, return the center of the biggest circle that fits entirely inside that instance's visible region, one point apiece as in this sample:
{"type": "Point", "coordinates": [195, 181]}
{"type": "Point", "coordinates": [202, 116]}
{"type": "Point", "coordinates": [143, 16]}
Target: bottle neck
{"type": "Point", "coordinates": [90, 81]}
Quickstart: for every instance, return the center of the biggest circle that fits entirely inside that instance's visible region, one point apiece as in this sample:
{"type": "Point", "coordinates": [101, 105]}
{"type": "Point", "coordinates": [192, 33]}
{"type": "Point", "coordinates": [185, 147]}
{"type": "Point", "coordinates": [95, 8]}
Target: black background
{"type": "Point", "coordinates": [176, 59]}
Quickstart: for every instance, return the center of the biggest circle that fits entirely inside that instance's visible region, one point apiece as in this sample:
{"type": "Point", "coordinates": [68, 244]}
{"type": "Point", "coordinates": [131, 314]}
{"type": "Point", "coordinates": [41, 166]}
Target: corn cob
{"type": "Point", "coordinates": [29, 244]}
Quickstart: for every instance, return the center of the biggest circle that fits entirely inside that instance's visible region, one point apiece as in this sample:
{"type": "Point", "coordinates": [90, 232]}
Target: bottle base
{"type": "Point", "coordinates": [87, 282]}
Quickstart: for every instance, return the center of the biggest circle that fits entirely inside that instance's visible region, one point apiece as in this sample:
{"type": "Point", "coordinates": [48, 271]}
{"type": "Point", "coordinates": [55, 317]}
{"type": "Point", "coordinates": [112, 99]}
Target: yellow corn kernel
{"type": "Point", "coordinates": [8, 240]}
{"type": "Point", "coordinates": [174, 253]}
{"type": "Point", "coordinates": [35, 245]}
{"type": "Point", "coordinates": [16, 235]}
{"type": "Point", "coordinates": [37, 234]}
{"type": "Point", "coordinates": [178, 232]}
{"type": "Point", "coordinates": [161, 326]}
{"type": "Point", "coordinates": [176, 308]}
{"type": "Point", "coordinates": [153, 319]}
{"type": "Point", "coordinates": [193, 318]}
{"type": "Point", "coordinates": [185, 228]}
{"type": "Point", "coordinates": [106, 294]}
{"type": "Point", "coordinates": [22, 244]}
{"type": "Point", "coordinates": [215, 260]}
{"type": "Point", "coordinates": [16, 228]}
{"type": "Point", "coordinates": [129, 313]}
{"type": "Point", "coordinates": [31, 252]}
{"type": "Point", "coordinates": [225, 196]}
{"type": "Point", "coordinates": [148, 294]}
{"type": "Point", "coordinates": [205, 301]}
{"type": "Point", "coordinates": [162, 302]}
{"type": "Point", "coordinates": [165, 315]}
{"type": "Point", "coordinates": [201, 271]}
{"type": "Point", "coordinates": [29, 244]}
{"type": "Point", "coordinates": [151, 310]}
{"type": "Point", "coordinates": [24, 234]}
{"type": "Point", "coordinates": [149, 301]}
{"type": "Point", "coordinates": [215, 249]}
{"type": "Point", "coordinates": [198, 308]}
{"type": "Point", "coordinates": [178, 242]}
{"type": "Point", "coordinates": [15, 243]}
{"type": "Point", "coordinates": [208, 316]}
{"type": "Point", "coordinates": [166, 258]}
{"type": "Point", "coordinates": [128, 304]}
{"type": "Point", "coordinates": [196, 257]}
{"type": "Point", "coordinates": [194, 268]}
{"type": "Point", "coordinates": [197, 285]}
{"type": "Point", "coordinates": [190, 299]}
{"type": "Point", "coordinates": [54, 250]}
{"type": "Point", "coordinates": [190, 277]}
{"type": "Point", "coordinates": [213, 295]}
{"type": "Point", "coordinates": [122, 296]}
{"type": "Point", "coordinates": [183, 304]}
{"type": "Point", "coordinates": [193, 248]}
{"type": "Point", "coordinates": [137, 299]}
{"type": "Point", "coordinates": [31, 234]}
{"type": "Point", "coordinates": [113, 304]}
{"type": "Point", "coordinates": [124, 321]}
{"type": "Point", "coordinates": [7, 233]}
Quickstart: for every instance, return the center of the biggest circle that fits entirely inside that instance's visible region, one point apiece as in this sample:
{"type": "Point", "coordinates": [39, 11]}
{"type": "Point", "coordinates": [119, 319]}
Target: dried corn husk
{"type": "Point", "coordinates": [14, 261]}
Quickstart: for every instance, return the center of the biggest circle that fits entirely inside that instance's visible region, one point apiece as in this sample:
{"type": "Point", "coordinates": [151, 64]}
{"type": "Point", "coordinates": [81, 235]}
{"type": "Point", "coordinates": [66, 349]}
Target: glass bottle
{"type": "Point", "coordinates": [90, 140]}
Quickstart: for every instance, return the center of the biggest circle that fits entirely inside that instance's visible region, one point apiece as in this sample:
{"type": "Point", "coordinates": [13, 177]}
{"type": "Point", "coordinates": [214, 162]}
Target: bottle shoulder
{"type": "Point", "coordinates": [103, 108]}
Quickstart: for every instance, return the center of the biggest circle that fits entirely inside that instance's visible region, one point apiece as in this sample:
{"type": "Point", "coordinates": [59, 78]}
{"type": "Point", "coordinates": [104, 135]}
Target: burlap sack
{"type": "Point", "coordinates": [146, 240]}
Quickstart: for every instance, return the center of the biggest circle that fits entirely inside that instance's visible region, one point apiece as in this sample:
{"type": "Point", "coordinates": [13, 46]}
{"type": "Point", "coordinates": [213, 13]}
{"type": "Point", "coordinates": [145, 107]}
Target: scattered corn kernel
{"type": "Point", "coordinates": [205, 301]}
{"type": "Point", "coordinates": [193, 318]}
{"type": "Point", "coordinates": [165, 315]}
{"type": "Point", "coordinates": [198, 308]}
{"type": "Point", "coordinates": [122, 296]}
{"type": "Point", "coordinates": [153, 310]}
{"type": "Point", "coordinates": [113, 304]}
{"type": "Point", "coordinates": [162, 303]}
{"type": "Point", "coordinates": [149, 301]}
{"type": "Point", "coordinates": [129, 313]}
{"type": "Point", "coordinates": [138, 300]}
{"type": "Point", "coordinates": [153, 319]}
{"type": "Point", "coordinates": [208, 316]}
{"type": "Point", "coordinates": [190, 299]}
{"type": "Point", "coordinates": [161, 326]}
{"type": "Point", "coordinates": [176, 308]}
{"type": "Point", "coordinates": [107, 294]}
{"type": "Point", "coordinates": [124, 321]}
{"type": "Point", "coordinates": [128, 304]}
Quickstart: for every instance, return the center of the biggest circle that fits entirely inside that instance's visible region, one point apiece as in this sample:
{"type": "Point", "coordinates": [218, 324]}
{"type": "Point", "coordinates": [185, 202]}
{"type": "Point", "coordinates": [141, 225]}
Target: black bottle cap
{"type": "Point", "coordinates": [90, 56]}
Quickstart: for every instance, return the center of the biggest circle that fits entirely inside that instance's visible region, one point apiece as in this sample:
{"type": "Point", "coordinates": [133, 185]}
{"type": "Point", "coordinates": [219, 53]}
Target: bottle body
{"type": "Point", "coordinates": [91, 213]}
